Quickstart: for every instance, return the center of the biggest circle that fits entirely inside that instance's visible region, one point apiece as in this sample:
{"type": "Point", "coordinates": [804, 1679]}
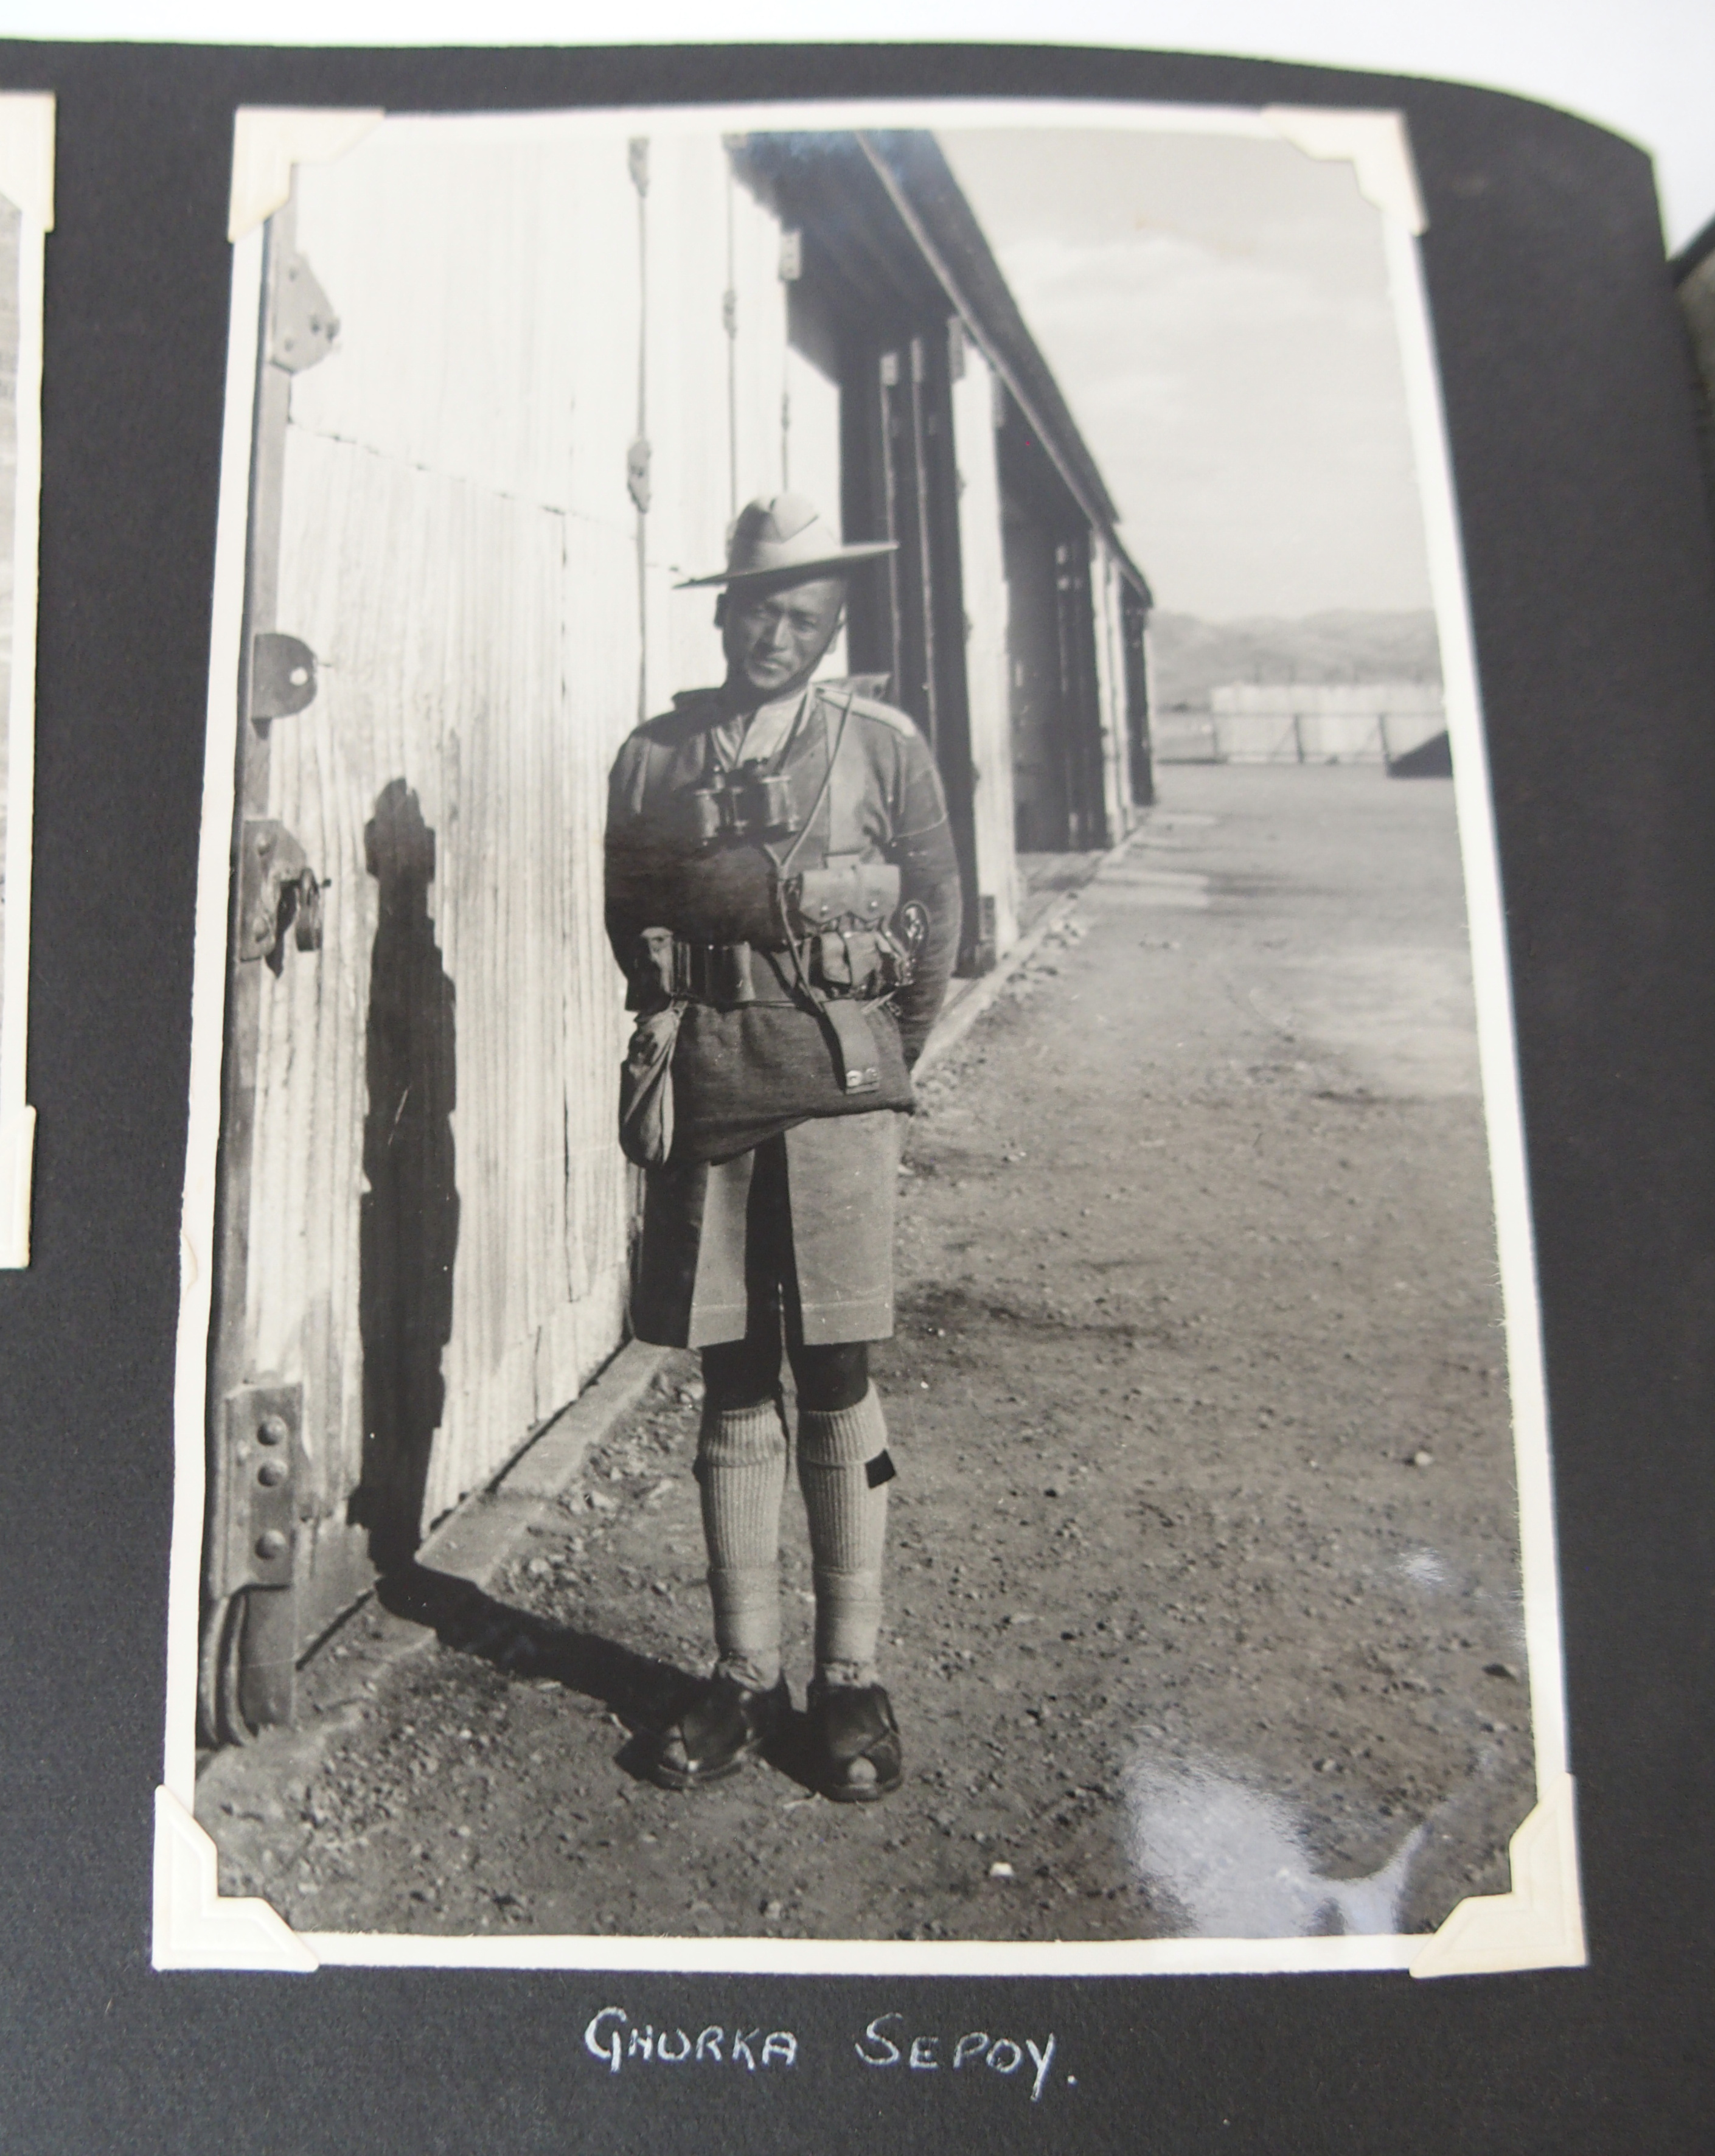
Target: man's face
{"type": "Point", "coordinates": [774, 640]}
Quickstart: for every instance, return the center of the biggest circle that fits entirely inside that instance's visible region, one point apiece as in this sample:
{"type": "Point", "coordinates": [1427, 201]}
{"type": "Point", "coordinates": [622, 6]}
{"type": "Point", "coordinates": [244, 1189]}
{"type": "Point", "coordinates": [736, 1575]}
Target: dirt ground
{"type": "Point", "coordinates": [1204, 1594]}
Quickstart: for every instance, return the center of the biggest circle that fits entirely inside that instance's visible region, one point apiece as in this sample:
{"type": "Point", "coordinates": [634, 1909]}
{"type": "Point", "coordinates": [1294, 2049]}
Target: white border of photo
{"type": "Point", "coordinates": [26, 182]}
{"type": "Point", "coordinates": [1538, 1923]}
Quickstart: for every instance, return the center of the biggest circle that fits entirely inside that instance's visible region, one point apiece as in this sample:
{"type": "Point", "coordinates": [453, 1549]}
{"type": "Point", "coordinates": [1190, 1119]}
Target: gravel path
{"type": "Point", "coordinates": [1203, 1599]}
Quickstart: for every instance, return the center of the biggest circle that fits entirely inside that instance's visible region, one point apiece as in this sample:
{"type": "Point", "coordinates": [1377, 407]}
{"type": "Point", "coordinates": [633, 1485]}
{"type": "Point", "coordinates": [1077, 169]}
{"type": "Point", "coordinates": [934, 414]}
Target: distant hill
{"type": "Point", "coordinates": [1193, 656]}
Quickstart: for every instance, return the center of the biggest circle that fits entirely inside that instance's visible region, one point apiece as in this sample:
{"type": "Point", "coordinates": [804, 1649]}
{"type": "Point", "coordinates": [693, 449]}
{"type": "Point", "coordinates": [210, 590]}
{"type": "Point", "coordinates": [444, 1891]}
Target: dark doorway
{"type": "Point", "coordinates": [1040, 779]}
{"type": "Point", "coordinates": [907, 621]}
{"type": "Point", "coordinates": [408, 1225]}
{"type": "Point", "coordinates": [1056, 718]}
{"type": "Point", "coordinates": [1134, 623]}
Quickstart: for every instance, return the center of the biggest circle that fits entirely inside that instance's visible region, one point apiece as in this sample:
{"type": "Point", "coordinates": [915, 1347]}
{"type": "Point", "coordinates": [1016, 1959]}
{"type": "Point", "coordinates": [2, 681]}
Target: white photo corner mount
{"type": "Point", "coordinates": [195, 1926]}
{"type": "Point", "coordinates": [268, 141]}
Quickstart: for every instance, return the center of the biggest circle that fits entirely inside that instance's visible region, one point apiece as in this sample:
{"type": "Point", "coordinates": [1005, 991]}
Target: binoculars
{"type": "Point", "coordinates": [746, 804]}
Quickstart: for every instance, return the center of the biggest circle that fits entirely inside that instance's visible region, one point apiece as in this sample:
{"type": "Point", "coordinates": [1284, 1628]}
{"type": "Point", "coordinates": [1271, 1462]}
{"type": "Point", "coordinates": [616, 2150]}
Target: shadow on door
{"type": "Point", "coordinates": [408, 1222]}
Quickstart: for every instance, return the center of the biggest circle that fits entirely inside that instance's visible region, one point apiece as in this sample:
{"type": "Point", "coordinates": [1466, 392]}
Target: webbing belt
{"type": "Point", "coordinates": [725, 973]}
{"type": "Point", "coordinates": [733, 973]}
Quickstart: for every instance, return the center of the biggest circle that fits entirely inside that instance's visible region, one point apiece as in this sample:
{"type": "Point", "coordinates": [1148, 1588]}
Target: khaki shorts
{"type": "Point", "coordinates": [804, 1222]}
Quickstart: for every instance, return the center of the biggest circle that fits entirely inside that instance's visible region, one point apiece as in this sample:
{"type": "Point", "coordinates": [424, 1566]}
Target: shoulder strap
{"type": "Point", "coordinates": [836, 735]}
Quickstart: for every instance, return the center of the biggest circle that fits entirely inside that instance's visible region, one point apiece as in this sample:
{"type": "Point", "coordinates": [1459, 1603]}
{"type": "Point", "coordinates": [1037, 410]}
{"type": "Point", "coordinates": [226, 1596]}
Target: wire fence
{"type": "Point", "coordinates": [1378, 737]}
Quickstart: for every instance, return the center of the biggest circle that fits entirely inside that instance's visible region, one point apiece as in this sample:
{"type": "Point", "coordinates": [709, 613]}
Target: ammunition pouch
{"type": "Point", "coordinates": [845, 912]}
{"type": "Point", "coordinates": [847, 894]}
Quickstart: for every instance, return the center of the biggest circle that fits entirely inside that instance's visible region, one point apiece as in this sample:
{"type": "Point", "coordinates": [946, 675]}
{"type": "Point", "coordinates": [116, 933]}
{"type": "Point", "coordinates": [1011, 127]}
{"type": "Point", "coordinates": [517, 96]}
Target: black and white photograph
{"type": "Point", "coordinates": [26, 212]}
{"type": "Point", "coordinates": [858, 1290]}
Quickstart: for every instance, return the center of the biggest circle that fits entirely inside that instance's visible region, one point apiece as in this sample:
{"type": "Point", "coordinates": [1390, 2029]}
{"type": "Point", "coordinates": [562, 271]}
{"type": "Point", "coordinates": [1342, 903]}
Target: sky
{"type": "Point", "coordinates": [1216, 312]}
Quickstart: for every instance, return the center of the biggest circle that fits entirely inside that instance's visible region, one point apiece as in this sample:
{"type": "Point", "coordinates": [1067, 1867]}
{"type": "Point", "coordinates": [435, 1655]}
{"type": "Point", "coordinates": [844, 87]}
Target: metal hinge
{"type": "Point", "coordinates": [302, 324]}
{"type": "Point", "coordinates": [278, 890]}
{"type": "Point", "coordinates": [264, 1444]}
{"type": "Point", "coordinates": [282, 675]}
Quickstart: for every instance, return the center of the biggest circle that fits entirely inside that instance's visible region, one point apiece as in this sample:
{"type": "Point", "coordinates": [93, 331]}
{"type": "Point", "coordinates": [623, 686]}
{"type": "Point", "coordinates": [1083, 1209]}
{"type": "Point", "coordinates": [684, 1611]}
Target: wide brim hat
{"type": "Point", "coordinates": [783, 538]}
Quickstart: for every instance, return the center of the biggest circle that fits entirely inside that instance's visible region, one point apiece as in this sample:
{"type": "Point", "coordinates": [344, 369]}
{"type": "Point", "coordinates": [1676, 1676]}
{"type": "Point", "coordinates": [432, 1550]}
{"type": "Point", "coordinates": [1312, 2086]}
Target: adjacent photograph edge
{"type": "Point", "coordinates": [27, 119]}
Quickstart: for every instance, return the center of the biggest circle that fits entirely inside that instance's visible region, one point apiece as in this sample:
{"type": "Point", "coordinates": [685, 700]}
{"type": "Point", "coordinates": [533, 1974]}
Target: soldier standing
{"type": "Point", "coordinates": [783, 894]}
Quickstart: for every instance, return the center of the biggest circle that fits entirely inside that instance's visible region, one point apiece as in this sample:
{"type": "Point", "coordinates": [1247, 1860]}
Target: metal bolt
{"type": "Point", "coordinates": [272, 1430]}
{"type": "Point", "coordinates": [271, 1473]}
{"type": "Point", "coordinates": [272, 1544]}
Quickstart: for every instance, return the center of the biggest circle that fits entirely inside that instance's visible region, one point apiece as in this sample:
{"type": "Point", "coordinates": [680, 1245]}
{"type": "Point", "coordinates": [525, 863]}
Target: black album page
{"type": "Point", "coordinates": [867, 970]}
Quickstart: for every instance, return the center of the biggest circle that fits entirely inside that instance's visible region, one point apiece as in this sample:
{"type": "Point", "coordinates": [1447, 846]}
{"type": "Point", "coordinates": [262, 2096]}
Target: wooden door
{"type": "Point", "coordinates": [1086, 810]}
{"type": "Point", "coordinates": [1041, 778]}
{"type": "Point", "coordinates": [423, 1212]}
{"type": "Point", "coordinates": [260, 1598]}
{"type": "Point", "coordinates": [1134, 626]}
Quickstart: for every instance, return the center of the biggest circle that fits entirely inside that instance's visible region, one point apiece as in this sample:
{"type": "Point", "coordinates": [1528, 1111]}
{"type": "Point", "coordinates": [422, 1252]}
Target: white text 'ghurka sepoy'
{"type": "Point", "coordinates": [613, 2037]}
{"type": "Point", "coordinates": [927, 2054]}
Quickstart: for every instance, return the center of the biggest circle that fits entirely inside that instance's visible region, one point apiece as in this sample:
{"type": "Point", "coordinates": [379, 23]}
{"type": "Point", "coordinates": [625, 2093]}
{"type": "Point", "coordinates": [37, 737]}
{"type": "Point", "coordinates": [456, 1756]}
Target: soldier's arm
{"type": "Point", "coordinates": [928, 873]}
{"type": "Point", "coordinates": [629, 856]}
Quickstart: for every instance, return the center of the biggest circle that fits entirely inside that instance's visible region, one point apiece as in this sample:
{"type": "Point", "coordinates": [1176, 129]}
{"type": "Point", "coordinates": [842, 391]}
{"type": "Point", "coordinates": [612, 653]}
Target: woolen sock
{"type": "Point", "coordinates": [843, 1470]}
{"type": "Point", "coordinates": [741, 1466]}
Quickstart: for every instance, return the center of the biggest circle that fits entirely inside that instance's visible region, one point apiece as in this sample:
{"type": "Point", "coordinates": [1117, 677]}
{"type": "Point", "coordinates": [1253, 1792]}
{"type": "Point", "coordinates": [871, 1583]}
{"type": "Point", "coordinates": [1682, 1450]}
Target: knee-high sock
{"type": "Point", "coordinates": [741, 1466]}
{"type": "Point", "coordinates": [845, 1471]}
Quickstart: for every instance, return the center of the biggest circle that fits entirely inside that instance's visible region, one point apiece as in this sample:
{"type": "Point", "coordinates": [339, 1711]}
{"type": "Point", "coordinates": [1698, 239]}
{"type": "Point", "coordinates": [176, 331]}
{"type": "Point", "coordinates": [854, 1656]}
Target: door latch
{"type": "Point", "coordinates": [278, 890]}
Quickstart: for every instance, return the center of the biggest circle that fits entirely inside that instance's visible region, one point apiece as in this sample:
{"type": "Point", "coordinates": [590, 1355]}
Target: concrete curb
{"type": "Point", "coordinates": [982, 994]}
{"type": "Point", "coordinates": [553, 1459]}
{"type": "Point", "coordinates": [479, 1536]}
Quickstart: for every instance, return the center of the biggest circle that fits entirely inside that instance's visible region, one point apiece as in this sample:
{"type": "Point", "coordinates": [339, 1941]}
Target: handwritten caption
{"type": "Point", "coordinates": [617, 2040]}
{"type": "Point", "coordinates": [1001, 2054]}
{"type": "Point", "coordinates": [613, 2036]}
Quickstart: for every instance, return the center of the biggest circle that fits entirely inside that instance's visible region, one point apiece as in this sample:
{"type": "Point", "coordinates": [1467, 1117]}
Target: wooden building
{"type": "Point", "coordinates": [513, 381]}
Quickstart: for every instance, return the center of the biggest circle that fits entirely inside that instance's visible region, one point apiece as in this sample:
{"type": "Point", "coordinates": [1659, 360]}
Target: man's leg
{"type": "Point", "coordinates": [843, 1470]}
{"type": "Point", "coordinates": [838, 1294]}
{"type": "Point", "coordinates": [740, 1467]}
